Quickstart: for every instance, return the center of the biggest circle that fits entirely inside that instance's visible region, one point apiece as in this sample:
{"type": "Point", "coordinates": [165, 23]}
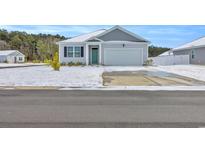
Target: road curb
{"type": "Point", "coordinates": [111, 88]}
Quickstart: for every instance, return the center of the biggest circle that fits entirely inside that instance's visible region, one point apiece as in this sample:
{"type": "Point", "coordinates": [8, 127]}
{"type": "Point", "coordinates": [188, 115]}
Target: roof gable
{"type": "Point", "coordinates": [115, 33]}
{"type": "Point", "coordinates": [84, 37]}
{"type": "Point", "coordinates": [118, 33]}
{"type": "Point", "coordinates": [200, 42]}
{"type": "Point", "coordinates": [10, 52]}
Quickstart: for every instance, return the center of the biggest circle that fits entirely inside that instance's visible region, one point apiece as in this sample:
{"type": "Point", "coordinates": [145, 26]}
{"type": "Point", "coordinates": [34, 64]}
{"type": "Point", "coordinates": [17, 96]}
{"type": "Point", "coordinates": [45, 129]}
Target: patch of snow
{"type": "Point", "coordinates": [76, 76]}
{"type": "Point", "coordinates": [90, 77]}
{"type": "Point", "coordinates": [192, 71]}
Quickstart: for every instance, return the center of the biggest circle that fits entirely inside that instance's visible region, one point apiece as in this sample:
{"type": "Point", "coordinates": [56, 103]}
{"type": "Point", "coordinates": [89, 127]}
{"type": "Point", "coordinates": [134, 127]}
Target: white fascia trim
{"type": "Point", "coordinates": [192, 47]}
{"type": "Point", "coordinates": [94, 38]}
{"type": "Point", "coordinates": [70, 43]}
{"type": "Point", "coordinates": [20, 53]}
{"type": "Point", "coordinates": [16, 53]}
{"type": "Point", "coordinates": [93, 43]}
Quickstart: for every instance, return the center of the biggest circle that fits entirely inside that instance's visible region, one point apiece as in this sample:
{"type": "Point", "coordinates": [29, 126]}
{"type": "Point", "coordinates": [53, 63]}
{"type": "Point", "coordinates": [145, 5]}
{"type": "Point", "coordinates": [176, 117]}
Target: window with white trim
{"type": "Point", "coordinates": [78, 51]}
{"type": "Point", "coordinates": [70, 51]}
{"type": "Point", "coordinates": [74, 51]}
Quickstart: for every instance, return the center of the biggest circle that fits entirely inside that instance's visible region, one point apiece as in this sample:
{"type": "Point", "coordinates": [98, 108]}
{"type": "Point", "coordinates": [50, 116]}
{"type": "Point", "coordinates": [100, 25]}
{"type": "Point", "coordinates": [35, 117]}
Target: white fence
{"type": "Point", "coordinates": [170, 60]}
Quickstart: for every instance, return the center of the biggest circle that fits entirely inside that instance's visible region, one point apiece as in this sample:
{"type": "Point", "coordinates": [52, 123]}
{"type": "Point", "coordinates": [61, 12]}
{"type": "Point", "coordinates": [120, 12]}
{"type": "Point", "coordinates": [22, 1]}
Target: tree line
{"type": "Point", "coordinates": [41, 47]}
{"type": "Point", "coordinates": [34, 46]}
{"type": "Point", "coordinates": [155, 51]}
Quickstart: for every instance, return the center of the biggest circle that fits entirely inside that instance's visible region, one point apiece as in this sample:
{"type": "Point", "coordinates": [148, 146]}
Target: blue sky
{"type": "Point", "coordinates": [159, 35]}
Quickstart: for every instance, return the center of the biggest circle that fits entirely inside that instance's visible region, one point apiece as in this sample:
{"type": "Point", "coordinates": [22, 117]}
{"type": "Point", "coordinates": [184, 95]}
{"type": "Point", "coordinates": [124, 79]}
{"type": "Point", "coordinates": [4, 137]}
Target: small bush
{"type": "Point", "coordinates": [47, 61]}
{"type": "Point", "coordinates": [55, 62]}
{"type": "Point", "coordinates": [70, 64]}
{"type": "Point", "coordinates": [78, 64]}
{"type": "Point", "coordinates": [63, 64]}
{"type": "Point", "coordinates": [148, 62]}
{"type": "Point", "coordinates": [75, 64]}
{"type": "Point", "coordinates": [36, 61]}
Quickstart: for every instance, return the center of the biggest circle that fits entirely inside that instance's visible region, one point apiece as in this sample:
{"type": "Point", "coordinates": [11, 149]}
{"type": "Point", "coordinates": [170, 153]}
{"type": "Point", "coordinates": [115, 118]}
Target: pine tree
{"type": "Point", "coordinates": [55, 62]}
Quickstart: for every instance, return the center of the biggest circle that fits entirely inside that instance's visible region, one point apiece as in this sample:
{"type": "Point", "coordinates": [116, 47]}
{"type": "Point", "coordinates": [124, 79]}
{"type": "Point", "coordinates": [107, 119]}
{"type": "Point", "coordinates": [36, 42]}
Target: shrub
{"type": "Point", "coordinates": [63, 64]}
{"type": "Point", "coordinates": [75, 64]}
{"type": "Point", "coordinates": [47, 61]}
{"type": "Point", "coordinates": [70, 64]}
{"type": "Point", "coordinates": [148, 62]}
{"type": "Point", "coordinates": [78, 64]}
{"type": "Point", "coordinates": [55, 62]}
{"type": "Point", "coordinates": [5, 61]}
{"type": "Point", "coordinates": [36, 61]}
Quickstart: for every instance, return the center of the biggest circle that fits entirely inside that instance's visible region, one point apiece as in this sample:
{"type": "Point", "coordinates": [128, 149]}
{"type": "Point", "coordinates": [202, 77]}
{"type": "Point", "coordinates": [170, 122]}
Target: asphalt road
{"type": "Point", "coordinates": [52, 108]}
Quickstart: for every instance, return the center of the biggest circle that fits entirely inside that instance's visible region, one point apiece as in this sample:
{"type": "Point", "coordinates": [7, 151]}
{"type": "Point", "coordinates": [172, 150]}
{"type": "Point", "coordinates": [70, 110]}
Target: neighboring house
{"type": "Point", "coordinates": [115, 46]}
{"type": "Point", "coordinates": [167, 53]}
{"type": "Point", "coordinates": [195, 50]}
{"type": "Point", "coordinates": [11, 56]}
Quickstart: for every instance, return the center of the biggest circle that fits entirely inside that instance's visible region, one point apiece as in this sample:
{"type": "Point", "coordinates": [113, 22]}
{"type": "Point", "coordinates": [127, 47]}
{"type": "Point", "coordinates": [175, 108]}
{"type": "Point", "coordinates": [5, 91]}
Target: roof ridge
{"type": "Point", "coordinates": [189, 42]}
{"type": "Point", "coordinates": [86, 33]}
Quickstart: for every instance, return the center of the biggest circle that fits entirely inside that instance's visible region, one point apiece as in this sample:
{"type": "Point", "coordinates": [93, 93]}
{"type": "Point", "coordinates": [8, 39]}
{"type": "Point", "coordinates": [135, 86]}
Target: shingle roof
{"type": "Point", "coordinates": [98, 33]}
{"type": "Point", "coordinates": [167, 53]}
{"type": "Point", "coordinates": [196, 43]}
{"type": "Point", "coordinates": [84, 37]}
{"type": "Point", "coordinates": [8, 52]}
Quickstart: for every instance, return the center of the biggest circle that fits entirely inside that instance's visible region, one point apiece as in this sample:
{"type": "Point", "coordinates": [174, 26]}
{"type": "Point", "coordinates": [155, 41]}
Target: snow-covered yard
{"type": "Point", "coordinates": [192, 71]}
{"type": "Point", "coordinates": [87, 76]}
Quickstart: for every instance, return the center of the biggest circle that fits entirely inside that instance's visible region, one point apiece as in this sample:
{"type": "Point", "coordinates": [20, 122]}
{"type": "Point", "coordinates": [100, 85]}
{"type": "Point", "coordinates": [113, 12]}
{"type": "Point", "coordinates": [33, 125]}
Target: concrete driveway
{"type": "Point", "coordinates": [147, 78]}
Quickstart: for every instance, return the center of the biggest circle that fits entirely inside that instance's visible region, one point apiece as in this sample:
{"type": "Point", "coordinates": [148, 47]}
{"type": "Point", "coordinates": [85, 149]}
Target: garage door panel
{"type": "Point", "coordinates": [123, 57]}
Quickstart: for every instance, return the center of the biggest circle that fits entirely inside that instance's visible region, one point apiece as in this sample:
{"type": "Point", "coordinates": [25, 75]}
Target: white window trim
{"type": "Point", "coordinates": [74, 51]}
{"type": "Point", "coordinates": [70, 51]}
{"type": "Point", "coordinates": [20, 58]}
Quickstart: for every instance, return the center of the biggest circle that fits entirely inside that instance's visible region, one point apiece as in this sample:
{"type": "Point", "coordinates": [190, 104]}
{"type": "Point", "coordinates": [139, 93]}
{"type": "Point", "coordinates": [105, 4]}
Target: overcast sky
{"type": "Point", "coordinates": [165, 36]}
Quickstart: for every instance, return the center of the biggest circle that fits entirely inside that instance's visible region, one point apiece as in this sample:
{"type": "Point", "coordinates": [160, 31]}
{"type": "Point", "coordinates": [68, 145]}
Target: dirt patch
{"type": "Point", "coordinates": [147, 78]}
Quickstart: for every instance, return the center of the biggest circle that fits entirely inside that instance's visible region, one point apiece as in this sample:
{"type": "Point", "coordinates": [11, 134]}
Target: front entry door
{"type": "Point", "coordinates": [95, 56]}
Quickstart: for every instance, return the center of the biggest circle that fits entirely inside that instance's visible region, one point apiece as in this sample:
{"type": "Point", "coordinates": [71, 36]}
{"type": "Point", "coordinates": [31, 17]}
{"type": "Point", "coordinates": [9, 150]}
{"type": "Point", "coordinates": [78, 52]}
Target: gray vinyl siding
{"type": "Point", "coordinates": [143, 46]}
{"type": "Point", "coordinates": [63, 59]}
{"type": "Point", "coordinates": [71, 59]}
{"type": "Point", "coordinates": [118, 35]}
{"type": "Point", "coordinates": [199, 55]}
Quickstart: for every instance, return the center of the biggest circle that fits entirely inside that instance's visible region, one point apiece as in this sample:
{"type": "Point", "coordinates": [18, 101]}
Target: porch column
{"type": "Point", "coordinates": [100, 54]}
{"type": "Point", "coordinates": [87, 54]}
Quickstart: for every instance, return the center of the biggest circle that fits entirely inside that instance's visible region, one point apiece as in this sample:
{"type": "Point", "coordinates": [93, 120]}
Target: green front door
{"type": "Point", "coordinates": [94, 55]}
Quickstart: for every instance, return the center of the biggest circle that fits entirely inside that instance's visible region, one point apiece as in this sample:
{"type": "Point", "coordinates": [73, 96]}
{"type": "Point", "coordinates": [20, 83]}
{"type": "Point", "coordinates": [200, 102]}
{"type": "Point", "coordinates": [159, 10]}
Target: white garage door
{"type": "Point", "coordinates": [123, 56]}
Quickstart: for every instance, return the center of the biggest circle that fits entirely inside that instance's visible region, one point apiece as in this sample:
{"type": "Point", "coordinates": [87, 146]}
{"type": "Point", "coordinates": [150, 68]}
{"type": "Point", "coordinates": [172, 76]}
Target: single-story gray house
{"type": "Point", "coordinates": [195, 50]}
{"type": "Point", "coordinates": [11, 56]}
{"type": "Point", "coordinates": [115, 46]}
